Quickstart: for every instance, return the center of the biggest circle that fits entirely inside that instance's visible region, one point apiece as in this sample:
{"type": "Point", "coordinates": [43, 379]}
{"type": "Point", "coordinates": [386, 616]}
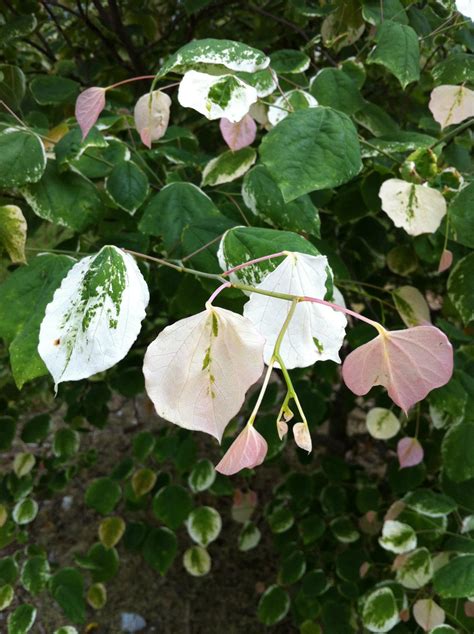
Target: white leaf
{"type": "Point", "coordinates": [152, 115]}
{"type": "Point", "coordinates": [198, 370]}
{"type": "Point", "coordinates": [216, 96]}
{"type": "Point", "coordinates": [466, 7]}
{"type": "Point", "coordinates": [428, 614]}
{"type": "Point", "coordinates": [412, 306]}
{"type": "Point", "coordinates": [398, 537]}
{"type": "Point", "coordinates": [315, 332]}
{"type": "Point", "coordinates": [451, 104]}
{"type": "Point", "coordinates": [289, 102]}
{"type": "Point", "coordinates": [417, 208]}
{"type": "Point", "coordinates": [302, 436]}
{"type": "Point", "coordinates": [94, 317]}
{"type": "Point", "coordinates": [382, 423]}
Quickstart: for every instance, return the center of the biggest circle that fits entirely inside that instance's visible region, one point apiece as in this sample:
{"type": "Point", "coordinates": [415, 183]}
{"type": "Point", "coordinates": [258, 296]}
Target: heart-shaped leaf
{"type": "Point", "coordinates": [89, 105]}
{"type": "Point", "coordinates": [246, 452]}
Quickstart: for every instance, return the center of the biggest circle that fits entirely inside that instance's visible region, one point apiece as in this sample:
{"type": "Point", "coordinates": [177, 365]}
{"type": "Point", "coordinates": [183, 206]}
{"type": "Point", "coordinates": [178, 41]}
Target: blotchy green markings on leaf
{"type": "Point", "coordinates": [22, 157]}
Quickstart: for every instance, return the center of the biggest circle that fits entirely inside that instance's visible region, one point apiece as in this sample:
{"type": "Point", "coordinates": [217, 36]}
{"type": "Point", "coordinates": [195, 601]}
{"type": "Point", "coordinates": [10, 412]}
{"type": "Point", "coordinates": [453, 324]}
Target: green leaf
{"type": "Point", "coordinates": [71, 147]}
{"type": "Point", "coordinates": [64, 198]}
{"type": "Point", "coordinates": [228, 166]}
{"type": "Point", "coordinates": [13, 232]}
{"type": "Point", "coordinates": [344, 530]}
{"type": "Point", "coordinates": [66, 443]}
{"type": "Point", "coordinates": [416, 569]}
{"type": "Point", "coordinates": [143, 481]}
{"type": "Point", "coordinates": [67, 588]}
{"type": "Point", "coordinates": [204, 525]}
{"type": "Point", "coordinates": [263, 197]}
{"type": "Point", "coordinates": [23, 463]}
{"type": "Point", "coordinates": [97, 596]}
{"type": "Point", "coordinates": [35, 574]}
{"type": "Point", "coordinates": [334, 88]}
{"type": "Point", "coordinates": [17, 27]}
{"type": "Point", "coordinates": [53, 90]}
{"type": "Point", "coordinates": [207, 232]}
{"type": "Point", "coordinates": [289, 61]}
{"type": "Point", "coordinates": [455, 580]}
{"type": "Point", "coordinates": [380, 611]}
{"type": "Point", "coordinates": [461, 287]}
{"type": "Point", "coordinates": [376, 13]}
{"type": "Point", "coordinates": [127, 186]}
{"type": "Point", "coordinates": [311, 149]}
{"type": "Point", "coordinates": [398, 50]}
{"type": "Point", "coordinates": [202, 476]}
{"type": "Point", "coordinates": [22, 157]}
{"type": "Point", "coordinates": [457, 68]}
{"type": "Point", "coordinates": [36, 429]}
{"type": "Point", "coordinates": [66, 629]}
{"type": "Point", "coordinates": [25, 511]}
{"type": "Point", "coordinates": [200, 54]}
{"type": "Point", "coordinates": [429, 503]}
{"type": "Point", "coordinates": [461, 220]}
{"type": "Point", "coordinates": [242, 244]}
{"type": "Point", "coordinates": [103, 562]}
{"type": "Point", "coordinates": [160, 549]}
{"type": "Point", "coordinates": [458, 451]}
{"type": "Point", "coordinates": [7, 595]}
{"type": "Point", "coordinates": [281, 520]}
{"type": "Point", "coordinates": [172, 505]}
{"type": "Point", "coordinates": [12, 85]}
{"type": "Point", "coordinates": [175, 207]}
{"type": "Point", "coordinates": [8, 570]}
{"type": "Point", "coordinates": [23, 298]}
{"type": "Point", "coordinates": [103, 495]}
{"type": "Point", "coordinates": [292, 568]}
{"type": "Point", "coordinates": [22, 619]}
{"type": "Point", "coordinates": [111, 530]}
{"type": "Point", "coordinates": [197, 561]}
{"type": "Point", "coordinates": [273, 606]}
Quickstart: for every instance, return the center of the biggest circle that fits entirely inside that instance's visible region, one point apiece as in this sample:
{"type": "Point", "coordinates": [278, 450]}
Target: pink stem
{"type": "Point", "coordinates": [127, 81]}
{"type": "Point", "coordinates": [341, 309]}
{"type": "Point", "coordinates": [217, 291]}
{"type": "Point", "coordinates": [250, 262]}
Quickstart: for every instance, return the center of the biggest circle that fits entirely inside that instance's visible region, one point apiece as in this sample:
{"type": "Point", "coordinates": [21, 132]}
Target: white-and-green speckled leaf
{"type": "Point", "coordinates": [241, 244]}
{"type": "Point", "coordinates": [397, 537]}
{"type": "Point", "coordinates": [416, 569]}
{"type": "Point", "coordinates": [94, 317]}
{"type": "Point", "coordinates": [382, 423]}
{"type": "Point", "coordinates": [197, 561]}
{"type": "Point", "coordinates": [13, 232]}
{"type": "Point", "coordinates": [290, 101]}
{"type": "Point", "coordinates": [235, 56]}
{"type": "Point", "coordinates": [429, 503]}
{"type": "Point", "coordinates": [380, 611]}
{"type": "Point", "coordinates": [216, 96]}
{"type": "Point", "coordinates": [64, 198]}
{"type": "Point", "coordinates": [202, 476]}
{"type": "Point", "coordinates": [22, 157]}
{"type": "Point", "coordinates": [228, 166]}
{"type": "Point", "coordinates": [23, 299]}
{"type": "Point", "coordinates": [461, 287]}
{"type": "Point", "coordinates": [249, 537]}
{"type": "Point", "coordinates": [289, 61]}
{"type": "Point", "coordinates": [204, 525]}
{"type": "Point", "coordinates": [264, 81]}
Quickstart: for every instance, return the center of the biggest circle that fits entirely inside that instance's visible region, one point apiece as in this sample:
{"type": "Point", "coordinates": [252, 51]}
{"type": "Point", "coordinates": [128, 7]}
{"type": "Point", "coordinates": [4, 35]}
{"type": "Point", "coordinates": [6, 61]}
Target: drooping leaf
{"type": "Point", "coordinates": [408, 363]}
{"type": "Point", "coordinates": [89, 105]}
{"type": "Point", "coordinates": [228, 166]}
{"type": "Point", "coordinates": [152, 115]}
{"type": "Point", "coordinates": [416, 208]}
{"type": "Point", "coordinates": [398, 50]}
{"type": "Point", "coordinates": [22, 157]}
{"type": "Point", "coordinates": [451, 104]}
{"type": "Point", "coordinates": [315, 332]}
{"type": "Point", "coordinates": [382, 423]}
{"type": "Point", "coordinates": [13, 232]}
{"type": "Point", "coordinates": [216, 96]}
{"type": "Point", "coordinates": [212, 52]}
{"type": "Point", "coordinates": [428, 614]}
{"type": "Point", "coordinates": [198, 370]}
{"type": "Point", "coordinates": [461, 288]}
{"type": "Point", "coordinates": [240, 134]}
{"type": "Point", "coordinates": [246, 452]}
{"type": "Point", "coordinates": [94, 317]}
{"type": "Point", "coordinates": [127, 185]}
{"type": "Point", "coordinates": [311, 149]}
{"type": "Point", "coordinates": [410, 452]}
{"type": "Point", "coordinates": [64, 198]}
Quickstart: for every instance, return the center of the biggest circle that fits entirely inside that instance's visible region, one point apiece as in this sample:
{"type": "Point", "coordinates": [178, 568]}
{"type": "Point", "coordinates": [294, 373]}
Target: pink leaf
{"type": "Point", "coordinates": [409, 363]}
{"type": "Point", "coordinates": [89, 105]}
{"type": "Point", "coordinates": [247, 451]}
{"type": "Point", "coordinates": [410, 452]}
{"type": "Point", "coordinates": [238, 135]}
{"type": "Point", "coordinates": [445, 261]}
{"type": "Point", "coordinates": [302, 436]}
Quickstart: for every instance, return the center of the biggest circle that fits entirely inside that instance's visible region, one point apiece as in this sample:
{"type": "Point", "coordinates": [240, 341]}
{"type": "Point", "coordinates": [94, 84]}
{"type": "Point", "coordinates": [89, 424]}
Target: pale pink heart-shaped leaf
{"type": "Point", "coordinates": [410, 452]}
{"type": "Point", "coordinates": [428, 614]}
{"type": "Point", "coordinates": [302, 436]}
{"type": "Point", "coordinates": [238, 135]}
{"type": "Point", "coordinates": [408, 363]}
{"type": "Point", "coordinates": [152, 115]}
{"type": "Point", "coordinates": [469, 609]}
{"type": "Point", "coordinates": [89, 105]}
{"type": "Point", "coordinates": [246, 452]}
{"type": "Point", "coordinates": [282, 429]}
{"type": "Point", "coordinates": [445, 261]}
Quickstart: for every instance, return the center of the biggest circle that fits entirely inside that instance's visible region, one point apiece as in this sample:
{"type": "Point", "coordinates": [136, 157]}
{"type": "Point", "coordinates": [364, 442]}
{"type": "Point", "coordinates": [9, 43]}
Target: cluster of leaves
{"type": "Point", "coordinates": [347, 168]}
